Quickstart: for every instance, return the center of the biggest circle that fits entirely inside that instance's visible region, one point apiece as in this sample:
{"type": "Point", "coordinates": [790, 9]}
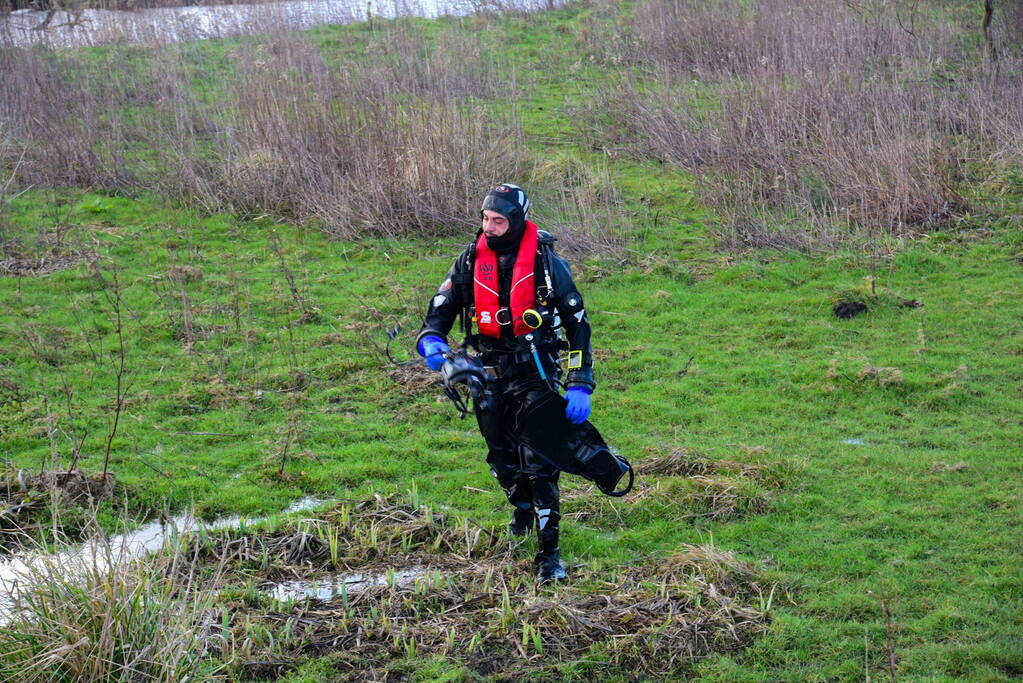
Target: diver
{"type": "Point", "coordinates": [514, 293]}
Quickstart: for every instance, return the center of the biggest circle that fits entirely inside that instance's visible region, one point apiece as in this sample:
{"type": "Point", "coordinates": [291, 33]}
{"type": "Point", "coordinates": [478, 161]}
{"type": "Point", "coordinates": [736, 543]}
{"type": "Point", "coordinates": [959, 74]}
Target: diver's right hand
{"type": "Point", "coordinates": [433, 349]}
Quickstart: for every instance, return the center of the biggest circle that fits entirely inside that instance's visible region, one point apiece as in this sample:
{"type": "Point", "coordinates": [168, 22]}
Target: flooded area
{"type": "Point", "coordinates": [200, 22]}
{"type": "Point", "coordinates": [121, 548]}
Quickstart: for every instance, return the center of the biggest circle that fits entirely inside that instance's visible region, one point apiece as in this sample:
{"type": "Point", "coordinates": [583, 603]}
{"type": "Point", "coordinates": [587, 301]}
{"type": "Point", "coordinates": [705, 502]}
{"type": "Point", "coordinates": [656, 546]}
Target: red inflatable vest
{"type": "Point", "coordinates": [490, 316]}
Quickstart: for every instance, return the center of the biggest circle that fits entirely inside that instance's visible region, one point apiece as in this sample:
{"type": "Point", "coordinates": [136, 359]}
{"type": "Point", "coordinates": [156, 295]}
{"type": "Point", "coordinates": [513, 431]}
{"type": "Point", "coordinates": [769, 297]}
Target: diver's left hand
{"type": "Point", "coordinates": [578, 408]}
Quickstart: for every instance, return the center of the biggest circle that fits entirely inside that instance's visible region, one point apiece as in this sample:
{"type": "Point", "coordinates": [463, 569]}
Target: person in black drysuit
{"type": "Point", "coordinates": [505, 340]}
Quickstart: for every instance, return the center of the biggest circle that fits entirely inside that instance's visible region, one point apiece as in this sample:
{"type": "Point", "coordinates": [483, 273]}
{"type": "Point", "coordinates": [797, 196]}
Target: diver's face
{"type": "Point", "coordinates": [494, 223]}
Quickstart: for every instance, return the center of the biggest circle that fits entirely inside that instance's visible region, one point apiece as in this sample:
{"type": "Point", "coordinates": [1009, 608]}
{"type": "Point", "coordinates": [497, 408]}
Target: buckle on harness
{"type": "Point", "coordinates": [507, 316]}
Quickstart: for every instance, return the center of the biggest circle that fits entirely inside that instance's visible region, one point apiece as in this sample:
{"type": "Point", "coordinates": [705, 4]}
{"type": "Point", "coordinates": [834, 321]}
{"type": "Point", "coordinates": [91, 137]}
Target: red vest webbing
{"type": "Point", "coordinates": [523, 288]}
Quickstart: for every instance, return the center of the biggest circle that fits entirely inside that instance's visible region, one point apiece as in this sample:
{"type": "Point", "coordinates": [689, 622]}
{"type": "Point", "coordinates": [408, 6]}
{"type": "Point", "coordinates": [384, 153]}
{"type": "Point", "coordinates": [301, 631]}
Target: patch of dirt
{"type": "Point", "coordinates": [415, 379]}
{"type": "Point", "coordinates": [849, 309]}
{"type": "Point", "coordinates": [25, 499]}
{"type": "Point", "coordinates": [74, 487]}
{"type": "Point", "coordinates": [477, 604]}
{"type": "Point", "coordinates": [44, 265]}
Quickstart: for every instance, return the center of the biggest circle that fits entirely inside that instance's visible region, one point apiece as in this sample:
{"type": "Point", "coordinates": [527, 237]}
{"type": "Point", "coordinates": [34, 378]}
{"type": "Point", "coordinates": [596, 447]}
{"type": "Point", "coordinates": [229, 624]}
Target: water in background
{"type": "Point", "coordinates": [194, 22]}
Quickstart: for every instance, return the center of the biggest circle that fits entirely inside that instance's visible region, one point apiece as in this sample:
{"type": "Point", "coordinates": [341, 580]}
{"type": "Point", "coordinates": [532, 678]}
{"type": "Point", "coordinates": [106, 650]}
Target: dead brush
{"type": "Point", "coordinates": [389, 144]}
{"type": "Point", "coordinates": [807, 132]}
{"type": "Point", "coordinates": [683, 462]}
{"type": "Point", "coordinates": [354, 534]}
{"type": "Point", "coordinates": [655, 619]}
{"type": "Point", "coordinates": [582, 207]}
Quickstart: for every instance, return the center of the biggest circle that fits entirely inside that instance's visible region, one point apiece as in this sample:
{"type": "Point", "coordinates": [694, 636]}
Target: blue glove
{"type": "Point", "coordinates": [433, 349]}
{"type": "Point", "coordinates": [578, 408]}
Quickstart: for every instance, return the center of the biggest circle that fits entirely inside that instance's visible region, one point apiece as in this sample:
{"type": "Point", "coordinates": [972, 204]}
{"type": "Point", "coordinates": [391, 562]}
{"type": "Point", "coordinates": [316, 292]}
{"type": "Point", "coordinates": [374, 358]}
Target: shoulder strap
{"type": "Point", "coordinates": [468, 303]}
{"type": "Point", "coordinates": [544, 284]}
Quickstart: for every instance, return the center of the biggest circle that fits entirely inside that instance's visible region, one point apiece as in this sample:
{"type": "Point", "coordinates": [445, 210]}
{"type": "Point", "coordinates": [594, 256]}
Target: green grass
{"type": "Point", "coordinates": [900, 486]}
{"type": "Point", "coordinates": [896, 518]}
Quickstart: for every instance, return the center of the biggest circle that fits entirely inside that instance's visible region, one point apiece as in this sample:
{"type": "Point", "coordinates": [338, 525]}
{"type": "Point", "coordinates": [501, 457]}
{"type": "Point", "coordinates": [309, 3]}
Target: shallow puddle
{"type": "Point", "coordinates": [338, 585]}
{"type": "Point", "coordinates": [19, 568]}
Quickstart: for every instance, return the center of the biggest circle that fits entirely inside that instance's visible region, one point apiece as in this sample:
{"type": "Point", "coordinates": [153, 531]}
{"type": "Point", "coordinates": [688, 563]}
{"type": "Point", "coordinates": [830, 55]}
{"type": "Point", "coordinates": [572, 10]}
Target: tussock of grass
{"type": "Point", "coordinates": [415, 379]}
{"type": "Point", "coordinates": [680, 485]}
{"type": "Point", "coordinates": [35, 505]}
{"type": "Point", "coordinates": [353, 534]}
{"type": "Point", "coordinates": [103, 617]}
{"type": "Point", "coordinates": [683, 462]}
{"type": "Point", "coordinates": [722, 497]}
{"type": "Point", "coordinates": [884, 376]}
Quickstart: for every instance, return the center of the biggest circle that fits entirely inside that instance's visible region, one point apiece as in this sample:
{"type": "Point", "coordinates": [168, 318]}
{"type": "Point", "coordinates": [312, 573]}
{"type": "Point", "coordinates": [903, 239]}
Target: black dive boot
{"type": "Point", "coordinates": [521, 520]}
{"type": "Point", "coordinates": [521, 496]}
{"type": "Point", "coordinates": [549, 568]}
{"type": "Point", "coordinates": [548, 516]}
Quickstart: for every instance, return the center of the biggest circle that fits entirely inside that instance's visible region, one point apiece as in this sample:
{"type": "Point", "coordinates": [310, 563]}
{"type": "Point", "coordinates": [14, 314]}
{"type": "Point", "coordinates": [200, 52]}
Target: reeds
{"type": "Point", "coordinates": [391, 143]}
{"type": "Point", "coordinates": [101, 615]}
{"type": "Point", "coordinates": [807, 125]}
{"type": "Point", "coordinates": [474, 605]}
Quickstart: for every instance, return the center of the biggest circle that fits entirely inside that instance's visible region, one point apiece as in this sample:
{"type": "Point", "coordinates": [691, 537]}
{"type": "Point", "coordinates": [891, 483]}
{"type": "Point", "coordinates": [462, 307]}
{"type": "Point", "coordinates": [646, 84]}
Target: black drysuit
{"type": "Point", "coordinates": [530, 482]}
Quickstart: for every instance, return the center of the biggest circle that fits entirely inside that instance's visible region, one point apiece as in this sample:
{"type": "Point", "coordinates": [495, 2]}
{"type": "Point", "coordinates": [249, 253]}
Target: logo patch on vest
{"type": "Point", "coordinates": [485, 317]}
{"type": "Point", "coordinates": [445, 286]}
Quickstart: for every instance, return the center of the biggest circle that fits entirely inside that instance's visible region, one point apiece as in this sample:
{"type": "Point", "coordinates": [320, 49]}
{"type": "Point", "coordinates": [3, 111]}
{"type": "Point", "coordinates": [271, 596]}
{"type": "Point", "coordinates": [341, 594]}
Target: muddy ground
{"type": "Point", "coordinates": [389, 584]}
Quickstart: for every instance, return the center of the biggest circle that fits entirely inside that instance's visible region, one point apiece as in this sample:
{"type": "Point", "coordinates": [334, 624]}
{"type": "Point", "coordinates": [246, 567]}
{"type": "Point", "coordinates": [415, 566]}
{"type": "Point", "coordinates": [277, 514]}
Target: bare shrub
{"type": "Point", "coordinates": [577, 202]}
{"type": "Point", "coordinates": [386, 145]}
{"type": "Point", "coordinates": [809, 124]}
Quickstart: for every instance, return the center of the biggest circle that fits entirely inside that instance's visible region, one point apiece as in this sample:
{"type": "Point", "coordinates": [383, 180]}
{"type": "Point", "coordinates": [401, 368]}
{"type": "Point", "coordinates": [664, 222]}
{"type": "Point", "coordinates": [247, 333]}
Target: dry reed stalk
{"type": "Point", "coordinates": [388, 145]}
{"type": "Point", "coordinates": [481, 609]}
{"type": "Point", "coordinates": [811, 125]}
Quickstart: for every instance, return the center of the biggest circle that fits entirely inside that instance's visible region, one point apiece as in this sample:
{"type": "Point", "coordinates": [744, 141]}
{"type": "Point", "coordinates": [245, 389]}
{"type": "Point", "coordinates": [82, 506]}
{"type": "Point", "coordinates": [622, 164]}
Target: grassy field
{"type": "Point", "coordinates": [867, 471]}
